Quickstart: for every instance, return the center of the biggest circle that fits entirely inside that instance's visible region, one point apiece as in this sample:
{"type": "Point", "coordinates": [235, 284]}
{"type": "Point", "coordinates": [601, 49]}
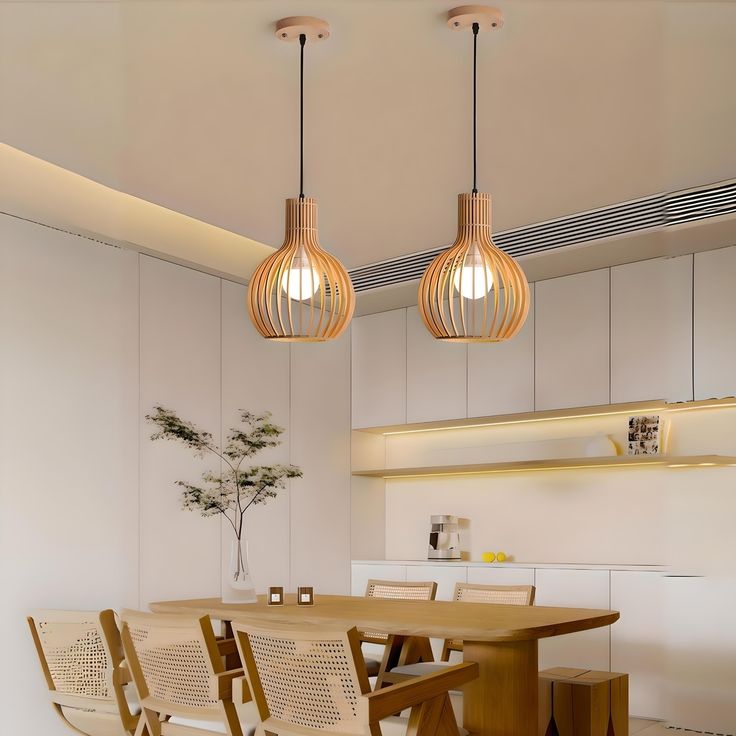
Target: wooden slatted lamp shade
{"type": "Point", "coordinates": [301, 293]}
{"type": "Point", "coordinates": [474, 292]}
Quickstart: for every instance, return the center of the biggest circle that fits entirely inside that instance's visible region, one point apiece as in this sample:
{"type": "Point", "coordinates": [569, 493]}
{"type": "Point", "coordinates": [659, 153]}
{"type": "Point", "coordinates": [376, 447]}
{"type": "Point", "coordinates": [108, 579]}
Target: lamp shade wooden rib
{"type": "Point", "coordinates": [474, 292]}
{"type": "Point", "coordinates": [301, 293]}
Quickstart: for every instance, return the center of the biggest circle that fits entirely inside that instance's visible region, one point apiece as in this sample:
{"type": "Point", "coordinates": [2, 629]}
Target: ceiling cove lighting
{"type": "Point", "coordinates": [474, 292]}
{"type": "Point", "coordinates": [301, 293]}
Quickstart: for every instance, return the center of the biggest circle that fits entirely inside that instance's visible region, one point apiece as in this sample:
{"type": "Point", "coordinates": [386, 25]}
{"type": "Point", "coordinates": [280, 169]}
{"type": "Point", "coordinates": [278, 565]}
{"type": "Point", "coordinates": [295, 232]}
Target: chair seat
{"type": "Point", "coordinates": [208, 726]}
{"type": "Point", "coordinates": [372, 666]}
{"type": "Point", "coordinates": [94, 722]}
{"type": "Point", "coordinates": [420, 668]}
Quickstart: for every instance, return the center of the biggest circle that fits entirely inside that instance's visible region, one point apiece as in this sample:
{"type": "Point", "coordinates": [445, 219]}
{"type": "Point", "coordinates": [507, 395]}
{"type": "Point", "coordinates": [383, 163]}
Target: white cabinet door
{"type": "Point", "coordinates": [637, 638]}
{"type": "Point", "coordinates": [444, 575]}
{"type": "Point", "coordinates": [701, 653]}
{"type": "Point", "coordinates": [361, 574]}
{"type": "Point", "coordinates": [572, 341]}
{"type": "Point", "coordinates": [501, 575]}
{"type": "Point", "coordinates": [575, 589]}
{"type": "Point", "coordinates": [436, 374]}
{"type": "Point", "coordinates": [501, 374]}
{"type": "Point", "coordinates": [651, 330]}
{"type": "Point", "coordinates": [379, 369]}
{"type": "Point", "coordinates": [715, 327]}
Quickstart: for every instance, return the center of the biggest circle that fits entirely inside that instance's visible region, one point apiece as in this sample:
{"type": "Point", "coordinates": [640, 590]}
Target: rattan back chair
{"type": "Point", "coordinates": [314, 681]}
{"type": "Point", "coordinates": [510, 595]}
{"type": "Point", "coordinates": [179, 672]}
{"type": "Point", "coordinates": [82, 660]}
{"type": "Point", "coordinates": [398, 650]}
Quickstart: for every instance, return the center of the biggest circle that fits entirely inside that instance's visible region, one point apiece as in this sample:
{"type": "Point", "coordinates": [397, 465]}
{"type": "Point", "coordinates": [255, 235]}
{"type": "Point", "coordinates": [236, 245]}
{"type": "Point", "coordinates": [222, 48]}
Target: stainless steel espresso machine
{"type": "Point", "coordinates": [444, 538]}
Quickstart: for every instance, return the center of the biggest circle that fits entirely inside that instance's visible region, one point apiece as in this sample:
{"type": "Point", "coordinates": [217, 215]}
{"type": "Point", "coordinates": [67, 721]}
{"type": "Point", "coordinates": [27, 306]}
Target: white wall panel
{"type": "Point", "coordinates": [180, 369]}
{"type": "Point", "coordinates": [436, 374]}
{"type": "Point", "coordinates": [320, 445]}
{"type": "Point", "coordinates": [379, 369]}
{"type": "Point", "coordinates": [68, 444]}
{"type": "Point", "coordinates": [574, 589]}
{"type": "Point", "coordinates": [572, 340]}
{"type": "Point", "coordinates": [651, 330]}
{"type": "Point", "coordinates": [255, 377]}
{"type": "Point", "coordinates": [501, 375]}
{"type": "Point", "coordinates": [715, 327]}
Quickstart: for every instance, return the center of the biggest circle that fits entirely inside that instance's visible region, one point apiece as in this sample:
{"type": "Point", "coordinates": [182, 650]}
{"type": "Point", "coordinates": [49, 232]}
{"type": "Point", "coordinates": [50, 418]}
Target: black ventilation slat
{"type": "Point", "coordinates": [655, 211]}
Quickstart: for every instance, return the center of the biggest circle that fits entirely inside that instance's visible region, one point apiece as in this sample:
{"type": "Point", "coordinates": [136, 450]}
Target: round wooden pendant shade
{"type": "Point", "coordinates": [474, 292]}
{"type": "Point", "coordinates": [301, 293]}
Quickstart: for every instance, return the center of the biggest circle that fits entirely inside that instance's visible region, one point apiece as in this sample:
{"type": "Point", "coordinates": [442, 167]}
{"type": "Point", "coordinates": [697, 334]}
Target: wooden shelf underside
{"type": "Point", "coordinates": [572, 463]}
{"type": "Point", "coordinates": [632, 408]}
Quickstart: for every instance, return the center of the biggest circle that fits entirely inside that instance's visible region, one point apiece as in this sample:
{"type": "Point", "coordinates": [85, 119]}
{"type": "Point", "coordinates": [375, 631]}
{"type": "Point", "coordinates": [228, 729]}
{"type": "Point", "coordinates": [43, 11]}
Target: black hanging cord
{"type": "Point", "coordinates": [476, 28]}
{"type": "Point", "coordinates": [302, 41]}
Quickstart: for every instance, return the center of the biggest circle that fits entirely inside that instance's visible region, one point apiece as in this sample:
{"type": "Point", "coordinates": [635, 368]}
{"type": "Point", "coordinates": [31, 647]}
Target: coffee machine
{"type": "Point", "coordinates": [444, 538]}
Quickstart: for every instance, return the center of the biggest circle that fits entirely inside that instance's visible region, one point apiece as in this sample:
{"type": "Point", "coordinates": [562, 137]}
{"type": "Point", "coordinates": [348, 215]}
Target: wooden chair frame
{"type": "Point", "coordinates": [427, 696]}
{"type": "Point", "coordinates": [117, 675]}
{"type": "Point", "coordinates": [399, 650]}
{"type": "Point", "coordinates": [157, 712]}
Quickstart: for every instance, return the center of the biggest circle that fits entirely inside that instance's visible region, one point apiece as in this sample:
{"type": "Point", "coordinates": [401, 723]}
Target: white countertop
{"type": "Point", "coordinates": [535, 565]}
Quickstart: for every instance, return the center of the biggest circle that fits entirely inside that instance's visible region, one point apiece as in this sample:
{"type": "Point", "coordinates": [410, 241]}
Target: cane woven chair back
{"type": "Point", "coordinates": [81, 657]}
{"type": "Point", "coordinates": [311, 679]}
{"type": "Point", "coordinates": [510, 595]}
{"type": "Point", "coordinates": [399, 591]}
{"type": "Point", "coordinates": [174, 661]}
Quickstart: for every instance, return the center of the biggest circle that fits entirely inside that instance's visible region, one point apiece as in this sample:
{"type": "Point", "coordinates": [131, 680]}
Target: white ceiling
{"type": "Point", "coordinates": [193, 105]}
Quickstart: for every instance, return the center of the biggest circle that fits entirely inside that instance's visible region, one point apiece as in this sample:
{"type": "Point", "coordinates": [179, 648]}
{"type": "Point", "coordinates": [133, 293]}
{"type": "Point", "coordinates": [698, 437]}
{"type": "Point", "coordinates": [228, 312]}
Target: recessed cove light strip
{"type": "Point", "coordinates": [654, 212]}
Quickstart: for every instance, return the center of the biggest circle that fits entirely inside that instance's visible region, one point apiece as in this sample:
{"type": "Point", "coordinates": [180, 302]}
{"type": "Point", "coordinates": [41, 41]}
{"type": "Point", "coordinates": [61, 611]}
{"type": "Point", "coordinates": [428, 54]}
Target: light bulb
{"type": "Point", "coordinates": [473, 281]}
{"type": "Point", "coordinates": [300, 281]}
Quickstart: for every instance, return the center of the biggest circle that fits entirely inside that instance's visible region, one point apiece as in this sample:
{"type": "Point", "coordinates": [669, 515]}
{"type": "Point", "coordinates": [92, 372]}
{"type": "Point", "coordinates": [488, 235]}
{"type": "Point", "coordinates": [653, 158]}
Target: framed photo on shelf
{"type": "Point", "coordinates": [645, 435]}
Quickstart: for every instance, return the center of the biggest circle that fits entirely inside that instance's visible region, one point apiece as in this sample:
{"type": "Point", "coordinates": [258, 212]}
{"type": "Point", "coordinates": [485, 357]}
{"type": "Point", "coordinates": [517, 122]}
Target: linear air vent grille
{"type": "Point", "coordinates": [655, 211]}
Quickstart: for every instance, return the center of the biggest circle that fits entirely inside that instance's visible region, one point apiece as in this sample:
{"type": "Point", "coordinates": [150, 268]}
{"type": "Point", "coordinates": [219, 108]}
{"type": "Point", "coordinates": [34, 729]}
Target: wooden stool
{"type": "Point", "coordinates": [575, 702]}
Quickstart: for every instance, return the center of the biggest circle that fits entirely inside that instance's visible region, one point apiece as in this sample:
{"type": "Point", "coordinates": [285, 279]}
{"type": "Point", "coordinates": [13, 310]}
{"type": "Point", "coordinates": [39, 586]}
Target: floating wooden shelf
{"type": "Point", "coordinates": [570, 463]}
{"type": "Point", "coordinates": [633, 408]}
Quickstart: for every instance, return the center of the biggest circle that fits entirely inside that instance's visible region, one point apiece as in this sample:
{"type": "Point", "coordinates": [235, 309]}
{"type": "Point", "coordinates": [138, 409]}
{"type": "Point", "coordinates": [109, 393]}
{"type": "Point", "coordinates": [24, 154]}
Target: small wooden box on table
{"type": "Point", "coordinates": [575, 702]}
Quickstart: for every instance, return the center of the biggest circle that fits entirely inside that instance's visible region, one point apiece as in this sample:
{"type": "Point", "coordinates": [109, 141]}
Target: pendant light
{"type": "Point", "coordinates": [301, 293]}
{"type": "Point", "coordinates": [474, 292]}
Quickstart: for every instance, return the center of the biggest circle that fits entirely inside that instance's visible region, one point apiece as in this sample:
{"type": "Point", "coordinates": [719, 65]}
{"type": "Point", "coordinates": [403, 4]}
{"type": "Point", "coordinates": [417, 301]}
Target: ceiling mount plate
{"type": "Point", "coordinates": [462, 18]}
{"type": "Point", "coordinates": [315, 29]}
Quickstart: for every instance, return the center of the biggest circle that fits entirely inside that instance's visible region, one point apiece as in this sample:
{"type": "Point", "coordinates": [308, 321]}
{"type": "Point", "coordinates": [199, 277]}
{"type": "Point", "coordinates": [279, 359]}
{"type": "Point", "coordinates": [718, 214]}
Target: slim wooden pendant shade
{"type": "Point", "coordinates": [474, 292]}
{"type": "Point", "coordinates": [297, 268]}
{"type": "Point", "coordinates": [497, 293]}
{"type": "Point", "coordinates": [301, 293]}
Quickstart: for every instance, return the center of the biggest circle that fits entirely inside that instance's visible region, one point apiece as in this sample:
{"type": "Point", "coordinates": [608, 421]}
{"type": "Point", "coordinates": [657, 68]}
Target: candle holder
{"type": "Point", "coordinates": [305, 596]}
{"type": "Point", "coordinates": [276, 596]}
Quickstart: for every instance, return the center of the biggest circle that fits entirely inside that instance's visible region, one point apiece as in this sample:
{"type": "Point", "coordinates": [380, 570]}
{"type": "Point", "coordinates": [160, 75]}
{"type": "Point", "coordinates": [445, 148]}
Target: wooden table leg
{"type": "Point", "coordinates": [503, 700]}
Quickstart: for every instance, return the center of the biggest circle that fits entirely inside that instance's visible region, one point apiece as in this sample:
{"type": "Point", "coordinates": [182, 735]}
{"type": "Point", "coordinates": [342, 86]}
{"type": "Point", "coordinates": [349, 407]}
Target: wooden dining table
{"type": "Point", "coordinates": [502, 639]}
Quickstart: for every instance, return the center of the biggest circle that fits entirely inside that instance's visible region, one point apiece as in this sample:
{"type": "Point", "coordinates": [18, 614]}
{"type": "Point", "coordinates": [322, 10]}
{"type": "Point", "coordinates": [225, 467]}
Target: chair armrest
{"type": "Point", "coordinates": [241, 691]}
{"type": "Point", "coordinates": [227, 646]}
{"type": "Point", "coordinates": [221, 684]}
{"type": "Point", "coordinates": [389, 700]}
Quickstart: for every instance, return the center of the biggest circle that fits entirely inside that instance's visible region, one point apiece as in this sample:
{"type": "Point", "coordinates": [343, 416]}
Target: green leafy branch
{"type": "Point", "coordinates": [236, 488]}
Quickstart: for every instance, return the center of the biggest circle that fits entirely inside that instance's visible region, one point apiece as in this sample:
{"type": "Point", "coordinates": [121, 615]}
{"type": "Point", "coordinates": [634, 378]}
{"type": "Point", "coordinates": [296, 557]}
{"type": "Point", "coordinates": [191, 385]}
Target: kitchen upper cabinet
{"type": "Point", "coordinates": [501, 374]}
{"type": "Point", "coordinates": [575, 589]}
{"type": "Point", "coordinates": [715, 327]}
{"type": "Point", "coordinates": [651, 330]}
{"type": "Point", "coordinates": [436, 386]}
{"type": "Point", "coordinates": [571, 318]}
{"type": "Point", "coordinates": [638, 639]}
{"type": "Point", "coordinates": [379, 369]}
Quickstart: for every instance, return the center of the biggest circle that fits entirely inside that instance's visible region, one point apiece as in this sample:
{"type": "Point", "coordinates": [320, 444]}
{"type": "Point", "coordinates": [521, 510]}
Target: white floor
{"type": "Point", "coordinates": [645, 727]}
